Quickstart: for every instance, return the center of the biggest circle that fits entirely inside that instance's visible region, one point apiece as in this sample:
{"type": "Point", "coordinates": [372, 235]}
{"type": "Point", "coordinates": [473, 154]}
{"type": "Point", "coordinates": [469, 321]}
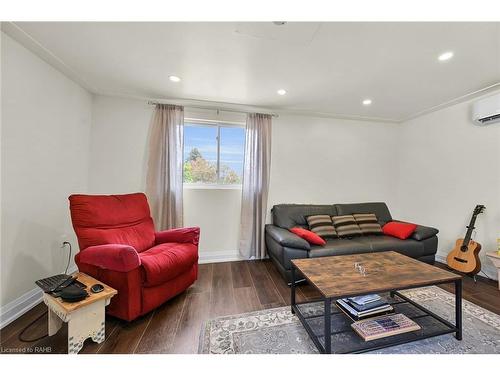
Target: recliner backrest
{"type": "Point", "coordinates": [112, 219]}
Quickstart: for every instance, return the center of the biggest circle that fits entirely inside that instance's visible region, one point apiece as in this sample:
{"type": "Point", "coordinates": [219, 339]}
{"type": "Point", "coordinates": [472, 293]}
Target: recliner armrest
{"type": "Point", "coordinates": [422, 232]}
{"type": "Point", "coordinates": [115, 257]}
{"type": "Point", "coordinates": [178, 235]}
{"type": "Point", "coordinates": [286, 238]}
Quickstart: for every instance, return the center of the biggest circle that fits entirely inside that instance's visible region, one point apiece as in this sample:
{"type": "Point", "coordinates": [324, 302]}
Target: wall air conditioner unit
{"type": "Point", "coordinates": [486, 111]}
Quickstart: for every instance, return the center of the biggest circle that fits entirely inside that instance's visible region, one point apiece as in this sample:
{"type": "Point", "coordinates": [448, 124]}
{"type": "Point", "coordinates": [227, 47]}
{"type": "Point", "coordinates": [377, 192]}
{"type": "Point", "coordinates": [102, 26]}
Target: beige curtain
{"type": "Point", "coordinates": [164, 174]}
{"type": "Point", "coordinates": [255, 185]}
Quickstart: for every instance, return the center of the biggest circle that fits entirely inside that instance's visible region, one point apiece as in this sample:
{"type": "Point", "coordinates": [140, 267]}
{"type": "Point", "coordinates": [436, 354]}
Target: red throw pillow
{"type": "Point", "coordinates": [309, 236]}
{"type": "Point", "coordinates": [399, 230]}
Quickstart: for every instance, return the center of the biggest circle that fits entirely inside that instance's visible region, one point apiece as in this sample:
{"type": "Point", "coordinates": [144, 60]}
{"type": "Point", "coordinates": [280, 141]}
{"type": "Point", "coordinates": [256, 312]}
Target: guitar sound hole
{"type": "Point", "coordinates": [464, 249]}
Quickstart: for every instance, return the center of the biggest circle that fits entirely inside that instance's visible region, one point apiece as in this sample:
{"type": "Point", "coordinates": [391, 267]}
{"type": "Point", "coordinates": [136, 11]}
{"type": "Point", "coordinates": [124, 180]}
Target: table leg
{"type": "Point", "coordinates": [328, 323]}
{"type": "Point", "coordinates": [55, 322]}
{"type": "Point", "coordinates": [458, 308]}
{"type": "Point", "coordinates": [292, 289]}
{"type": "Point", "coordinates": [88, 321]}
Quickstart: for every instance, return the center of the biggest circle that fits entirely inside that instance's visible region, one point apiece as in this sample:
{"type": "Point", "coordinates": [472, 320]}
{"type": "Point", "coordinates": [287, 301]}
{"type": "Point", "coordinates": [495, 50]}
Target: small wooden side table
{"type": "Point", "coordinates": [85, 318]}
{"type": "Point", "coordinates": [495, 258]}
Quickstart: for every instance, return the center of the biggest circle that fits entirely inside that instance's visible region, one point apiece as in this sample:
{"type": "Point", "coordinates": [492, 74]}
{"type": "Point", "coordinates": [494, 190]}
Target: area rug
{"type": "Point", "coordinates": [278, 331]}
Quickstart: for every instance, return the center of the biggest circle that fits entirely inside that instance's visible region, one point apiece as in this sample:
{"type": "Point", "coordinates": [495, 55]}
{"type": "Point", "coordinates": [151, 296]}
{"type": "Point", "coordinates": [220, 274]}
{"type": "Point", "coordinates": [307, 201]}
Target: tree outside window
{"type": "Point", "coordinates": [213, 154]}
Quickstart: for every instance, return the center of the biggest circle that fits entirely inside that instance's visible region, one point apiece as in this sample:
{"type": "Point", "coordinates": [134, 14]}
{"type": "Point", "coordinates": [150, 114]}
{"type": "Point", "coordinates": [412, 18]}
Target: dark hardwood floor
{"type": "Point", "coordinates": [174, 327]}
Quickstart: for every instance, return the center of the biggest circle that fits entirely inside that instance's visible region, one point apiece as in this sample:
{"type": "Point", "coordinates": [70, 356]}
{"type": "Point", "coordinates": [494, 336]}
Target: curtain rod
{"type": "Point", "coordinates": [150, 102]}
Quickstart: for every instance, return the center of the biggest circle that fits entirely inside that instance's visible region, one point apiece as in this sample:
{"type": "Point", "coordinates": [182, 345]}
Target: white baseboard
{"type": "Point", "coordinates": [21, 305]}
{"type": "Point", "coordinates": [486, 268]}
{"type": "Point", "coordinates": [219, 256]}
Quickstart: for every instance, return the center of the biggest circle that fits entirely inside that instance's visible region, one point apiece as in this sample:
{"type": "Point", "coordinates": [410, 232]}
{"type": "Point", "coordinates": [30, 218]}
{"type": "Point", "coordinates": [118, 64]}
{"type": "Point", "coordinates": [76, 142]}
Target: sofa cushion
{"type": "Point", "coordinates": [399, 230]}
{"type": "Point", "coordinates": [322, 225]}
{"type": "Point", "coordinates": [368, 223]}
{"type": "Point", "coordinates": [339, 246]}
{"type": "Point", "coordinates": [294, 215]}
{"type": "Point", "coordinates": [346, 226]}
{"type": "Point", "coordinates": [167, 261]}
{"type": "Point", "coordinates": [408, 247]}
{"type": "Point", "coordinates": [309, 236]}
{"type": "Point", "coordinates": [378, 208]}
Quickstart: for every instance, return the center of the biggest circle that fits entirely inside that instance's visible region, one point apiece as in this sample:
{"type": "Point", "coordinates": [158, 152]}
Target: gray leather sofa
{"type": "Point", "coordinates": [283, 245]}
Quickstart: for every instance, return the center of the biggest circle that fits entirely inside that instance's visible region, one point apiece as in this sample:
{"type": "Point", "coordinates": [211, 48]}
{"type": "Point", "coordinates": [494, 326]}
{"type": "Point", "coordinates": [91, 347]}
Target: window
{"type": "Point", "coordinates": [213, 154]}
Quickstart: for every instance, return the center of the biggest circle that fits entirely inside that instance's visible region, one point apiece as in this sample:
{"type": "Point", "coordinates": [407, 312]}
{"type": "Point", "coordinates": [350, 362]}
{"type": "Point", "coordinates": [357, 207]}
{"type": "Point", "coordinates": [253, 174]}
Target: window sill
{"type": "Point", "coordinates": [211, 187]}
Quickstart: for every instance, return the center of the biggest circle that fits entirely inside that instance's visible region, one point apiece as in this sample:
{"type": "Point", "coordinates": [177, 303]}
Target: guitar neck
{"type": "Point", "coordinates": [470, 229]}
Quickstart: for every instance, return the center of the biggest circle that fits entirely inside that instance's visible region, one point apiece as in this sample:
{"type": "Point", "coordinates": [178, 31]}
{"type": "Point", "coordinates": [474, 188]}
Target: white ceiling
{"type": "Point", "coordinates": [325, 67]}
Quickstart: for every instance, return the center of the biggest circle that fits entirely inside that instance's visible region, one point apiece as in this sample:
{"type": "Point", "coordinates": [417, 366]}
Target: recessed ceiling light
{"type": "Point", "coordinates": [445, 56]}
{"type": "Point", "coordinates": [281, 92]}
{"type": "Point", "coordinates": [367, 102]}
{"type": "Point", "coordinates": [174, 78]}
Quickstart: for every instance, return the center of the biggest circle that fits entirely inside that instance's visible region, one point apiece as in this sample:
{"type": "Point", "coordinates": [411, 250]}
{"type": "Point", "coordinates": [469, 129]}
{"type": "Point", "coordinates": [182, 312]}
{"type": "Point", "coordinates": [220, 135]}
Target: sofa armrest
{"type": "Point", "coordinates": [422, 232]}
{"type": "Point", "coordinates": [286, 238]}
{"type": "Point", "coordinates": [115, 257]}
{"type": "Point", "coordinates": [178, 235]}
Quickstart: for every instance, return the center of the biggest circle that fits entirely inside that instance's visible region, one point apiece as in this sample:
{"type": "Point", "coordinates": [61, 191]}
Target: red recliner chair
{"type": "Point", "coordinates": [119, 246]}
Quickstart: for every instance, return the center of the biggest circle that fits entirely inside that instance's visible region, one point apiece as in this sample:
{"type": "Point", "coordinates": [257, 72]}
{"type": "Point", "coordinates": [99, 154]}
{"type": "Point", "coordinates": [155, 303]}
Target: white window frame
{"type": "Point", "coordinates": [218, 125]}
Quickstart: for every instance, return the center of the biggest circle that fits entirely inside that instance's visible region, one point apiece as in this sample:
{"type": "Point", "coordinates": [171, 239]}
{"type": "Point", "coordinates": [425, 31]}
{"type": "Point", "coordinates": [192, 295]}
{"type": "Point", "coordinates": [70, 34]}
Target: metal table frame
{"type": "Point", "coordinates": [327, 347]}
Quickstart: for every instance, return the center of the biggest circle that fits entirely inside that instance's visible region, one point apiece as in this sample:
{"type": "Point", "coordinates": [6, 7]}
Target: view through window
{"type": "Point", "coordinates": [213, 154]}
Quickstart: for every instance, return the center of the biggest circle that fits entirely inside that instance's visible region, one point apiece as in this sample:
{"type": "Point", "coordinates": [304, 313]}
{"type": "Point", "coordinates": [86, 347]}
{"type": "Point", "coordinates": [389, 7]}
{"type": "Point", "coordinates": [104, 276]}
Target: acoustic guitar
{"type": "Point", "coordinates": [465, 255]}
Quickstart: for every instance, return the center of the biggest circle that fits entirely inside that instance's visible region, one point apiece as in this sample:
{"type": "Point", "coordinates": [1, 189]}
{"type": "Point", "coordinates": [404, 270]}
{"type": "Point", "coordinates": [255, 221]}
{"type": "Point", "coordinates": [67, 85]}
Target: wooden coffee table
{"type": "Point", "coordinates": [85, 318]}
{"type": "Point", "coordinates": [336, 277]}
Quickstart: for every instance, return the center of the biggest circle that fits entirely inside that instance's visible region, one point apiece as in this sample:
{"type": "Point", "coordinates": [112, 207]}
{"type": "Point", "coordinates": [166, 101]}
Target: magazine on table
{"type": "Point", "coordinates": [362, 300]}
{"type": "Point", "coordinates": [384, 326]}
{"type": "Point", "coordinates": [367, 306]}
{"type": "Point", "coordinates": [346, 306]}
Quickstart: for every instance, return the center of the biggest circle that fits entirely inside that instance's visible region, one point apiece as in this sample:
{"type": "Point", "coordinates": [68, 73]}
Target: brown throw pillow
{"type": "Point", "coordinates": [321, 225]}
{"type": "Point", "coordinates": [368, 223]}
{"type": "Point", "coordinates": [346, 226]}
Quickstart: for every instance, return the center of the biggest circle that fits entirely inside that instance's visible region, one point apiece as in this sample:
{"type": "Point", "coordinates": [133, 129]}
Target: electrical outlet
{"type": "Point", "coordinates": [63, 238]}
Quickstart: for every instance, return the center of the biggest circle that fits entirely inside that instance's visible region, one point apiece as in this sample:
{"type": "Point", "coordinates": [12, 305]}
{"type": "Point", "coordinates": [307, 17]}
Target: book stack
{"type": "Point", "coordinates": [378, 327]}
{"type": "Point", "coordinates": [363, 307]}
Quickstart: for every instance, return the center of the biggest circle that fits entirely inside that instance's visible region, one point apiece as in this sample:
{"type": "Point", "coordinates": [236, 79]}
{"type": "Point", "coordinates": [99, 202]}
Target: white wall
{"type": "Point", "coordinates": [447, 165]}
{"type": "Point", "coordinates": [217, 213]}
{"type": "Point", "coordinates": [45, 138]}
{"type": "Point", "coordinates": [326, 161]}
{"type": "Point", "coordinates": [118, 142]}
